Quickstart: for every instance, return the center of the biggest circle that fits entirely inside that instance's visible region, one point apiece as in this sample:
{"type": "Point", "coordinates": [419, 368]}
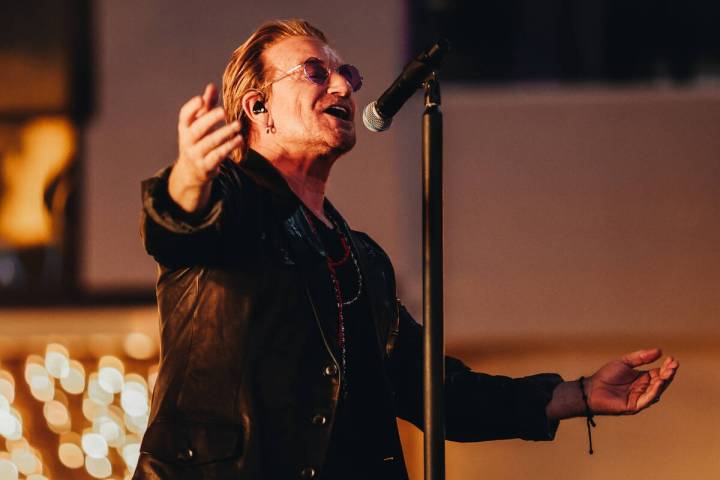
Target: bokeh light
{"type": "Point", "coordinates": [91, 409]}
{"type": "Point", "coordinates": [56, 413]}
{"type": "Point", "coordinates": [42, 386]}
{"type": "Point", "coordinates": [131, 454]}
{"type": "Point", "coordinates": [93, 444]}
{"type": "Point", "coordinates": [70, 451]}
{"type": "Point", "coordinates": [139, 346]}
{"type": "Point", "coordinates": [7, 386]}
{"type": "Point", "coordinates": [110, 374]}
{"type": "Point", "coordinates": [26, 460]}
{"type": "Point", "coordinates": [57, 360]}
{"type": "Point", "coordinates": [134, 397]}
{"type": "Point", "coordinates": [97, 393]}
{"type": "Point", "coordinates": [11, 424]}
{"type": "Point", "coordinates": [8, 470]}
{"type": "Point", "coordinates": [115, 407]}
{"type": "Point", "coordinates": [74, 382]}
{"type": "Point", "coordinates": [98, 467]}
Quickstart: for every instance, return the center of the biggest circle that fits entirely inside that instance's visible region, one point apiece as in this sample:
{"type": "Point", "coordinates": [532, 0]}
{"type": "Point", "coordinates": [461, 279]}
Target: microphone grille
{"type": "Point", "coordinates": [373, 121]}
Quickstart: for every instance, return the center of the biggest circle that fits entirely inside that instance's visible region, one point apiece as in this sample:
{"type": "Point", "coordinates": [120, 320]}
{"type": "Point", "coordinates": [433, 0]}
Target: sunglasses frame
{"type": "Point", "coordinates": [315, 60]}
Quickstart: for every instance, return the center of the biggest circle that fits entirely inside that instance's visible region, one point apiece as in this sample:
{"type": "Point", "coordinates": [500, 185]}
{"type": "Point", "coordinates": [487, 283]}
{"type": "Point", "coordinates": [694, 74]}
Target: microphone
{"type": "Point", "coordinates": [377, 115]}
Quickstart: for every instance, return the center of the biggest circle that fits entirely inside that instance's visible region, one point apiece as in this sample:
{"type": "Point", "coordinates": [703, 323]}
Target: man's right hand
{"type": "Point", "coordinates": [204, 140]}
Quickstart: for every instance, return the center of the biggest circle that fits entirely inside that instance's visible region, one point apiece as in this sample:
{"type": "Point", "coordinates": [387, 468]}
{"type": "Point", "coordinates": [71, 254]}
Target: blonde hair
{"type": "Point", "coordinates": [246, 70]}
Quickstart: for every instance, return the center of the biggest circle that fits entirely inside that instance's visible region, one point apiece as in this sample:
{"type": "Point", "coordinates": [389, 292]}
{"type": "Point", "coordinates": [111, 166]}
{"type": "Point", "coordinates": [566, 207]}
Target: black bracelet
{"type": "Point", "coordinates": [588, 413]}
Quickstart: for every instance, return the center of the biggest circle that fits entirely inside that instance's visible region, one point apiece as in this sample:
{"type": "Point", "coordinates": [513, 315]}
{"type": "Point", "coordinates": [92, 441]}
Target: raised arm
{"type": "Point", "coordinates": [185, 206]}
{"type": "Point", "coordinates": [204, 140]}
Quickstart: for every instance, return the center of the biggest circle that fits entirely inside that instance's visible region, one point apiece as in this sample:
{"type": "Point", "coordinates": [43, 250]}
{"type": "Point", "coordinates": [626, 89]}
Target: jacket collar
{"type": "Point", "coordinates": [303, 235]}
{"type": "Point", "coordinates": [284, 201]}
{"type": "Point", "coordinates": [267, 176]}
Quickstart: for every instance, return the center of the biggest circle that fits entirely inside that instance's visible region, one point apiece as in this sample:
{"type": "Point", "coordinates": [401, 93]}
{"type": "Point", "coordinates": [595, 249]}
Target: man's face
{"type": "Point", "coordinates": [299, 107]}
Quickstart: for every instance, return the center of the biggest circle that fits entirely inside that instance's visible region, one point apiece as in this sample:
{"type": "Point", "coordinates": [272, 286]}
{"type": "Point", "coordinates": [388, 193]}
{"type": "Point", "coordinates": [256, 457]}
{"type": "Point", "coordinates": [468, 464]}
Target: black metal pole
{"type": "Point", "coordinates": [434, 344]}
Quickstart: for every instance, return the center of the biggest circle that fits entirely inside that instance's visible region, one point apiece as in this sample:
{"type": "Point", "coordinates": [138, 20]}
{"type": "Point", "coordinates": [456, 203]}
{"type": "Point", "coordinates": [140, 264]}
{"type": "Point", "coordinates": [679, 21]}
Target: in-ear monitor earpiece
{"type": "Point", "coordinates": [259, 107]}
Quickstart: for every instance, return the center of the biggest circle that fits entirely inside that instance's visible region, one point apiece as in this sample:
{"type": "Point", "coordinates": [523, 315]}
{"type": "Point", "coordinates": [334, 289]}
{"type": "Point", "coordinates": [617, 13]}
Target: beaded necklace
{"type": "Point", "coordinates": [333, 265]}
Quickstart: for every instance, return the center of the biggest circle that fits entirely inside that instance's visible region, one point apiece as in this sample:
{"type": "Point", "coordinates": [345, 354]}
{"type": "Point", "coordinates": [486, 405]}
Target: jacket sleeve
{"type": "Point", "coordinates": [478, 406]}
{"type": "Point", "coordinates": [174, 237]}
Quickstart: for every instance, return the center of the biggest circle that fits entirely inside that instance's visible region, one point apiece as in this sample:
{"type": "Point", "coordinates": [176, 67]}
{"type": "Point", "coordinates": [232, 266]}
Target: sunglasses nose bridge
{"type": "Point", "coordinates": [338, 80]}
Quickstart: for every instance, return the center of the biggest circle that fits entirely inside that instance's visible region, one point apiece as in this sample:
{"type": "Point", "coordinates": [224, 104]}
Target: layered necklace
{"type": "Point", "coordinates": [333, 266]}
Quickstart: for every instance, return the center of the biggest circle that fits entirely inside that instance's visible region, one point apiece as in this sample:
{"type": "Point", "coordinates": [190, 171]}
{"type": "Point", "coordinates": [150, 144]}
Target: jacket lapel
{"type": "Point", "coordinates": [374, 287]}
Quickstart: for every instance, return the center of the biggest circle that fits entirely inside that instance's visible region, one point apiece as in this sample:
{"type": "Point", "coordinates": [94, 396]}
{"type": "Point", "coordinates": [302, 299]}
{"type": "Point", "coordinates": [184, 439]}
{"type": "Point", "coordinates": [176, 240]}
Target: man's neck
{"type": "Point", "coordinates": [305, 175]}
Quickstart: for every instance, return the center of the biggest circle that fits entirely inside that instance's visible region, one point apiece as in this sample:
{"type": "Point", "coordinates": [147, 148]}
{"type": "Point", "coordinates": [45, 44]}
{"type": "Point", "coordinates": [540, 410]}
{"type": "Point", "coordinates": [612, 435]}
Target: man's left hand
{"type": "Point", "coordinates": [617, 388]}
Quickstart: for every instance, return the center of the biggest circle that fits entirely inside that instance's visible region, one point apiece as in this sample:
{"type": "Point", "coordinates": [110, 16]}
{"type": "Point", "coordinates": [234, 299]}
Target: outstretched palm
{"type": "Point", "coordinates": [618, 389]}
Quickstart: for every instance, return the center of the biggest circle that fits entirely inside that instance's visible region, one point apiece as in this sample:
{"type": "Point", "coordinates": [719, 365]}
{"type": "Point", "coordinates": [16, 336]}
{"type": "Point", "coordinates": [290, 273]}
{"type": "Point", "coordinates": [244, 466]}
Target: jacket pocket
{"type": "Point", "coordinates": [192, 443]}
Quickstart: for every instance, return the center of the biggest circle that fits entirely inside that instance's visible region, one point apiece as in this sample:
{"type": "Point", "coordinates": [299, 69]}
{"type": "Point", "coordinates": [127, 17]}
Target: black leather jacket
{"type": "Point", "coordinates": [249, 375]}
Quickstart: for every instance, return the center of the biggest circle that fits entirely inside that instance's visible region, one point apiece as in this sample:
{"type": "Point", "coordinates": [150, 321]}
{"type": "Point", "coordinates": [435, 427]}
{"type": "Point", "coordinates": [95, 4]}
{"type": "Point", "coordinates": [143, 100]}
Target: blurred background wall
{"type": "Point", "coordinates": [581, 212]}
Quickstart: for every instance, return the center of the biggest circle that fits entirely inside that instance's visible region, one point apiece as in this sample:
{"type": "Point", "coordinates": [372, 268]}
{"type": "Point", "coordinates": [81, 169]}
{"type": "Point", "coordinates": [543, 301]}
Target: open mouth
{"type": "Point", "coordinates": [343, 113]}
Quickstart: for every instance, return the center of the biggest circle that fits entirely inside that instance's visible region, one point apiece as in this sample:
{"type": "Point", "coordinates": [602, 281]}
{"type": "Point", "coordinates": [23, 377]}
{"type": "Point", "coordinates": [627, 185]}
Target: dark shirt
{"type": "Point", "coordinates": [364, 421]}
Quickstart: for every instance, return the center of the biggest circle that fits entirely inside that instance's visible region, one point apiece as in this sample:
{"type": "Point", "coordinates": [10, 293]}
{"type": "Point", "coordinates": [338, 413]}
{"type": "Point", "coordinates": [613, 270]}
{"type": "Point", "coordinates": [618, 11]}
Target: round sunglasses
{"type": "Point", "coordinates": [315, 70]}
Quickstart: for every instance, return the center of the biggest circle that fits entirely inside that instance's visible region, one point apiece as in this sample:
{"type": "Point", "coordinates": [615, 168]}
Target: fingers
{"type": "Point", "coordinates": [667, 372]}
{"type": "Point", "coordinates": [200, 127]}
{"type": "Point", "coordinates": [209, 97]}
{"type": "Point", "coordinates": [198, 105]}
{"type": "Point", "coordinates": [669, 367]}
{"type": "Point", "coordinates": [649, 396]}
{"type": "Point", "coordinates": [204, 140]}
{"type": "Point", "coordinates": [660, 379]}
{"type": "Point", "coordinates": [215, 156]}
{"type": "Point", "coordinates": [211, 141]}
{"type": "Point", "coordinates": [189, 110]}
{"type": "Point", "coordinates": [641, 357]}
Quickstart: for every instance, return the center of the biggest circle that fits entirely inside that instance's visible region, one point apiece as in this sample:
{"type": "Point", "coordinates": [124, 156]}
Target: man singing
{"type": "Point", "coordinates": [285, 352]}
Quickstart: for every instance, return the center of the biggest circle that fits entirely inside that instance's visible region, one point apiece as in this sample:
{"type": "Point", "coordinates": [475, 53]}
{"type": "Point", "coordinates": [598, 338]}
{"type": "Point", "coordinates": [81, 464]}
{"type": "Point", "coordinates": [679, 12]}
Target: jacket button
{"type": "Point", "coordinates": [308, 472]}
{"type": "Point", "coordinates": [319, 420]}
{"type": "Point", "coordinates": [330, 370]}
{"type": "Point", "coordinates": [186, 455]}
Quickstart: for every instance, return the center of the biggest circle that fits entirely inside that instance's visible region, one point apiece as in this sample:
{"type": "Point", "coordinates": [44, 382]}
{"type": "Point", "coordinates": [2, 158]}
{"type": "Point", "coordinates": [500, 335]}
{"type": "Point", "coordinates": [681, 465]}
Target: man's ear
{"type": "Point", "coordinates": [253, 105]}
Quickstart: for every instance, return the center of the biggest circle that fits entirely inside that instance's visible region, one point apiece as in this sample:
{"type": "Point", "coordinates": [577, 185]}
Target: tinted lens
{"type": "Point", "coordinates": [316, 72]}
{"type": "Point", "coordinates": [352, 75]}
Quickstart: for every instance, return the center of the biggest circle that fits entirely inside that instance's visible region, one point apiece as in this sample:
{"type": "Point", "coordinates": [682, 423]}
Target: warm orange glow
{"type": "Point", "coordinates": [110, 374]}
{"type": "Point", "coordinates": [98, 467]}
{"type": "Point", "coordinates": [152, 376]}
{"type": "Point", "coordinates": [33, 80]}
{"type": "Point", "coordinates": [34, 365]}
{"type": "Point", "coordinates": [56, 413]}
{"type": "Point", "coordinates": [75, 381]}
{"type": "Point", "coordinates": [131, 452]}
{"type": "Point", "coordinates": [70, 451]}
{"type": "Point", "coordinates": [134, 398]}
{"type": "Point", "coordinates": [7, 386]}
{"type": "Point", "coordinates": [139, 345]}
{"type": "Point", "coordinates": [42, 386]}
{"type": "Point", "coordinates": [45, 148]}
{"type": "Point", "coordinates": [136, 425]}
{"type": "Point", "coordinates": [11, 424]}
{"type": "Point", "coordinates": [116, 421]}
{"type": "Point", "coordinates": [93, 444]}
{"type": "Point", "coordinates": [97, 393]}
{"type": "Point", "coordinates": [92, 409]}
{"type": "Point", "coordinates": [57, 360]}
{"type": "Point", "coordinates": [26, 460]}
{"type": "Point", "coordinates": [8, 470]}
{"type": "Point", "coordinates": [110, 428]}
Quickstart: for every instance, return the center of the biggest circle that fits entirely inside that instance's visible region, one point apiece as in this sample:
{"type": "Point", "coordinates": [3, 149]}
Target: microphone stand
{"type": "Point", "coordinates": [433, 341]}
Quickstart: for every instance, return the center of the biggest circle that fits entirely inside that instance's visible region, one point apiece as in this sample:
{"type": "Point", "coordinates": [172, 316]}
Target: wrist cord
{"type": "Point", "coordinates": [588, 414]}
